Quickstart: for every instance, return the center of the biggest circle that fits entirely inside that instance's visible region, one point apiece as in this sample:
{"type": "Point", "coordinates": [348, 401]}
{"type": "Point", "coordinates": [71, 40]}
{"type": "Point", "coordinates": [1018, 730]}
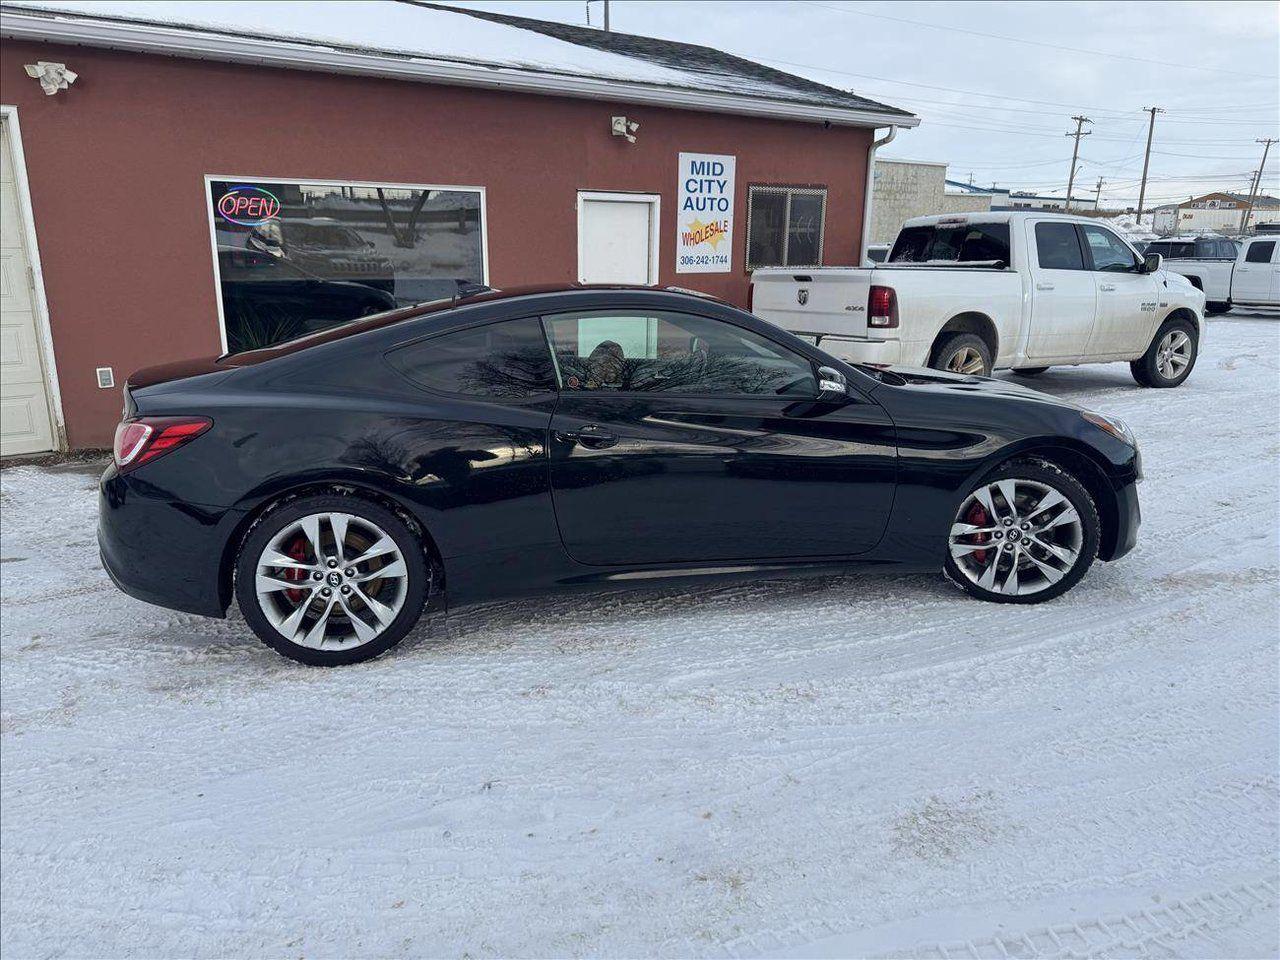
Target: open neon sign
{"type": "Point", "coordinates": [248, 206]}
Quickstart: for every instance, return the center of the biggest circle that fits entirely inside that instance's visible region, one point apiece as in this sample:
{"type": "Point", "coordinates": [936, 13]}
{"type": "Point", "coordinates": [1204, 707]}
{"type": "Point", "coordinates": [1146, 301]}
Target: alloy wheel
{"type": "Point", "coordinates": [966, 360]}
{"type": "Point", "coordinates": [1174, 354]}
{"type": "Point", "coordinates": [331, 581]}
{"type": "Point", "coordinates": [1016, 537]}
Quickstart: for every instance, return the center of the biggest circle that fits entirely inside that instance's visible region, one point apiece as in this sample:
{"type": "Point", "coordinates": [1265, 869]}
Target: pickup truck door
{"type": "Point", "coordinates": [1256, 273]}
{"type": "Point", "coordinates": [1128, 298]}
{"type": "Point", "coordinates": [1064, 297]}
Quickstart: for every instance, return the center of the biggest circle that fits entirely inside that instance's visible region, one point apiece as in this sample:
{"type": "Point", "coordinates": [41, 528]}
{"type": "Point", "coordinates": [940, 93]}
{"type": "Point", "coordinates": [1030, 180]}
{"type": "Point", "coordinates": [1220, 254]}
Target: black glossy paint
{"type": "Point", "coordinates": [516, 498]}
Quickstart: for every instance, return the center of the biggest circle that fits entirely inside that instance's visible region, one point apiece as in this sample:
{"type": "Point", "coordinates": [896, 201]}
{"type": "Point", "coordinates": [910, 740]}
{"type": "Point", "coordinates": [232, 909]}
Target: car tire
{"type": "Point", "coordinates": [1160, 366]}
{"type": "Point", "coordinates": [1030, 371]}
{"type": "Point", "coordinates": [368, 601]}
{"type": "Point", "coordinates": [962, 353]}
{"type": "Point", "coordinates": [1215, 308]}
{"type": "Point", "coordinates": [1052, 552]}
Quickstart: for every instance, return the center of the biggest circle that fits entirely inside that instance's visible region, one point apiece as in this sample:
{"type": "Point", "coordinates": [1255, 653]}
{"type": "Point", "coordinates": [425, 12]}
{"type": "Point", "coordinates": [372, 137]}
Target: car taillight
{"type": "Point", "coordinates": [142, 440]}
{"type": "Point", "coordinates": [882, 307]}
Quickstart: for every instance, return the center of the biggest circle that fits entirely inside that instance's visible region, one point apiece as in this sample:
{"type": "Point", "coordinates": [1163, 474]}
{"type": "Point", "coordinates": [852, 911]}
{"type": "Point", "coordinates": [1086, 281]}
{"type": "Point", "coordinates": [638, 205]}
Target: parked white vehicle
{"type": "Point", "coordinates": [979, 292]}
{"type": "Point", "coordinates": [1249, 276]}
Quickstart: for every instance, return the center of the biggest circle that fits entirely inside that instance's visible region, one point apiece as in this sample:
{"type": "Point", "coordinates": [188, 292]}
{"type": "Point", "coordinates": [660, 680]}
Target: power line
{"type": "Point", "coordinates": [1033, 43]}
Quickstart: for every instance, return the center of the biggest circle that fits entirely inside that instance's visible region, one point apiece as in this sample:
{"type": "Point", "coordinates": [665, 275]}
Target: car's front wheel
{"type": "Point", "coordinates": [330, 580]}
{"type": "Point", "coordinates": [1170, 358]}
{"type": "Point", "coordinates": [1025, 534]}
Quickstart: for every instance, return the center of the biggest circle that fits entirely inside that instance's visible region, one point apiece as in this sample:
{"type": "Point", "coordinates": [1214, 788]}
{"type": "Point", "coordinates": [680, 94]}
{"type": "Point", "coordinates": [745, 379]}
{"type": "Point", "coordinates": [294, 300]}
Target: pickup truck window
{"type": "Point", "coordinates": [952, 243]}
{"type": "Point", "coordinates": [1110, 253]}
{"type": "Point", "coordinates": [1058, 246]}
{"type": "Point", "coordinates": [1260, 252]}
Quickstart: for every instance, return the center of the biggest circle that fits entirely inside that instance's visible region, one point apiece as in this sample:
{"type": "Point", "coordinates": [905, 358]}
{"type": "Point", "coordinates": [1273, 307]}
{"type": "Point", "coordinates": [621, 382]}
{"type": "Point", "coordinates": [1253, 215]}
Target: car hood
{"type": "Point", "coordinates": [942, 382]}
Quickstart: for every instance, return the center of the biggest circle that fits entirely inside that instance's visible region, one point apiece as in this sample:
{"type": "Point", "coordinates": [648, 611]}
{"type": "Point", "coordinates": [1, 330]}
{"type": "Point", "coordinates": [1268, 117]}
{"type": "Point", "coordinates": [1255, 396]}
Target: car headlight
{"type": "Point", "coordinates": [1113, 425]}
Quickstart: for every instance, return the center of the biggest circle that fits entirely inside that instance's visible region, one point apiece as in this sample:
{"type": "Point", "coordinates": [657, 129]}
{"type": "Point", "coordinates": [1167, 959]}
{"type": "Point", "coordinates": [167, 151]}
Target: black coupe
{"type": "Point", "coordinates": [601, 437]}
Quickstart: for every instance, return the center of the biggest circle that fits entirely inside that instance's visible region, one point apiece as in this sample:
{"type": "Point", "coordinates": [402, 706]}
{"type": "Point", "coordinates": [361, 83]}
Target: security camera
{"type": "Point", "coordinates": [622, 127]}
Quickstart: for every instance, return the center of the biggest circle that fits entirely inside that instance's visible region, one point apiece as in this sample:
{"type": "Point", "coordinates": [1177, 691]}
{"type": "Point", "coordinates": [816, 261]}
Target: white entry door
{"type": "Point", "coordinates": [617, 238]}
{"type": "Point", "coordinates": [25, 424]}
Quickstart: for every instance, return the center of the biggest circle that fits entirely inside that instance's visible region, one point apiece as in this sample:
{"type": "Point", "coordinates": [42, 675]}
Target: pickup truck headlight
{"type": "Point", "coordinates": [1113, 425]}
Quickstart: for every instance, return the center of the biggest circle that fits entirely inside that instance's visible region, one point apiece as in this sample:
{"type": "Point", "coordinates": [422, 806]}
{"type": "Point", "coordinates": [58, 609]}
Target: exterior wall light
{"type": "Point", "coordinates": [52, 76]}
{"type": "Point", "coordinates": [622, 127]}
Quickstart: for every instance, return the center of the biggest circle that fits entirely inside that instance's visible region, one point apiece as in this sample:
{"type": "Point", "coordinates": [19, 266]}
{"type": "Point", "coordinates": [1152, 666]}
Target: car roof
{"type": "Point", "coordinates": [446, 305]}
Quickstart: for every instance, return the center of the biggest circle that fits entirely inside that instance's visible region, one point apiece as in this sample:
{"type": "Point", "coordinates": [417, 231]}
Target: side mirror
{"type": "Point", "coordinates": [1152, 262]}
{"type": "Point", "coordinates": [832, 385]}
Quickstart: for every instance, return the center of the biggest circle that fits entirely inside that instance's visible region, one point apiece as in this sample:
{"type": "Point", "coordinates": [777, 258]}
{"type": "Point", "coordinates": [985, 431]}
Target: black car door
{"type": "Point", "coordinates": [683, 438]}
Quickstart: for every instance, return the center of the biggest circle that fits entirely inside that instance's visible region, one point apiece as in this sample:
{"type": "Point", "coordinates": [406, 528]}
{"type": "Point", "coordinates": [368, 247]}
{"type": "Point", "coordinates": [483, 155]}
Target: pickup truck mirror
{"type": "Point", "coordinates": [1152, 262]}
{"type": "Point", "coordinates": [832, 385]}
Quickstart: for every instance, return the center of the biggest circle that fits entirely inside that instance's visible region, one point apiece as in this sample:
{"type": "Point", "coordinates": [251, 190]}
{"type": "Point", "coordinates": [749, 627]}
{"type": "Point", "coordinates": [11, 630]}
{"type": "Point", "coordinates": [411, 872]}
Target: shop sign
{"type": "Point", "coordinates": [248, 206]}
{"type": "Point", "coordinates": [704, 213]}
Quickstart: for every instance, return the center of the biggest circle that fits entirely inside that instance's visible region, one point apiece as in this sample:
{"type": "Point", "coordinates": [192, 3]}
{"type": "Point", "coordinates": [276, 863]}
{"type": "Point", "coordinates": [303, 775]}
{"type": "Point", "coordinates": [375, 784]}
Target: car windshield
{"type": "Point", "coordinates": [322, 235]}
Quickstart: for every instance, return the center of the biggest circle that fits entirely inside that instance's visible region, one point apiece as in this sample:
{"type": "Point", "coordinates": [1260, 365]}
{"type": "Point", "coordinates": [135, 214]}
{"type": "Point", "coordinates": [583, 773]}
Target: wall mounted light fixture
{"type": "Point", "coordinates": [622, 127]}
{"type": "Point", "coordinates": [52, 76]}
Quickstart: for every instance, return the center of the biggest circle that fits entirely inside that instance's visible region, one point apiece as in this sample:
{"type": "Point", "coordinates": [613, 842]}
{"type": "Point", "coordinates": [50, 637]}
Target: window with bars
{"type": "Point", "coordinates": [785, 226]}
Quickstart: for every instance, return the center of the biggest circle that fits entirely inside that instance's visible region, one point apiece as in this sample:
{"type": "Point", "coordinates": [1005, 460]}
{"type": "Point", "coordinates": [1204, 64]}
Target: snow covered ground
{"type": "Point", "coordinates": [859, 767]}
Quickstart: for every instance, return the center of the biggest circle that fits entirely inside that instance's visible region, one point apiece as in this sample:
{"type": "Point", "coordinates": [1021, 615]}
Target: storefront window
{"type": "Point", "coordinates": [785, 226]}
{"type": "Point", "coordinates": [294, 258]}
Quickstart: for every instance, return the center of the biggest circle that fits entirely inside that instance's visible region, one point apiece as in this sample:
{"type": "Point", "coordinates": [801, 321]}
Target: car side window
{"type": "Point", "coordinates": [507, 360]}
{"type": "Point", "coordinates": [1260, 252]}
{"type": "Point", "coordinates": [1058, 246]}
{"type": "Point", "coordinates": [651, 351]}
{"type": "Point", "coordinates": [1110, 253]}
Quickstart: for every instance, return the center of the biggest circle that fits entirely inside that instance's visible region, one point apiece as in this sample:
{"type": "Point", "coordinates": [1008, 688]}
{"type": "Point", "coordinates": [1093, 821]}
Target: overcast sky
{"type": "Point", "coordinates": [995, 83]}
{"type": "Point", "coordinates": [999, 108]}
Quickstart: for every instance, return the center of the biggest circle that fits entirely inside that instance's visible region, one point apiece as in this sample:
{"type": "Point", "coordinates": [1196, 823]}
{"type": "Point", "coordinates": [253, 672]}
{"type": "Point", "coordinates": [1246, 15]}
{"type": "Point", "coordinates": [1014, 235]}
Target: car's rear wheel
{"type": "Point", "coordinates": [1170, 358]}
{"type": "Point", "coordinates": [1025, 534]}
{"type": "Point", "coordinates": [330, 580]}
{"type": "Point", "coordinates": [965, 353]}
{"type": "Point", "coordinates": [1215, 307]}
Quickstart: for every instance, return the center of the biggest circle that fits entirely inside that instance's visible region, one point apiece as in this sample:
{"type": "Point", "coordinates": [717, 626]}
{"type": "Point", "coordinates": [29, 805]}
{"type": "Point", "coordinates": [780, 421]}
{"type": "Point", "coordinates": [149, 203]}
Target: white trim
{"type": "Point", "coordinates": [9, 116]}
{"type": "Point", "coordinates": [179, 41]}
{"type": "Point", "coordinates": [655, 219]}
{"type": "Point", "coordinates": [326, 182]}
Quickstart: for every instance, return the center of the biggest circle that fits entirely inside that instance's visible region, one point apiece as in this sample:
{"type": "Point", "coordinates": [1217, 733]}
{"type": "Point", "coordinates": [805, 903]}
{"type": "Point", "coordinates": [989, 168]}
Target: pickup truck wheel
{"type": "Point", "coordinates": [1170, 358]}
{"type": "Point", "coordinates": [964, 353]}
{"type": "Point", "coordinates": [1030, 371]}
{"type": "Point", "coordinates": [1216, 307]}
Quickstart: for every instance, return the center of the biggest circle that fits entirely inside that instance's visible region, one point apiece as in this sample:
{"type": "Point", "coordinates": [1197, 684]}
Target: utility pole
{"type": "Point", "coordinates": [1075, 154]}
{"type": "Point", "coordinates": [1097, 195]}
{"type": "Point", "coordinates": [1146, 160]}
{"type": "Point", "coordinates": [1257, 182]}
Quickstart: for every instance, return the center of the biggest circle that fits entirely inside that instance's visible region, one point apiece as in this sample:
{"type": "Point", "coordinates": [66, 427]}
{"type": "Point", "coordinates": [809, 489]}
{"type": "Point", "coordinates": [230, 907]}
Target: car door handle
{"type": "Point", "coordinates": [1108, 287]}
{"type": "Point", "coordinates": [590, 435]}
{"type": "Point", "coordinates": [1044, 286]}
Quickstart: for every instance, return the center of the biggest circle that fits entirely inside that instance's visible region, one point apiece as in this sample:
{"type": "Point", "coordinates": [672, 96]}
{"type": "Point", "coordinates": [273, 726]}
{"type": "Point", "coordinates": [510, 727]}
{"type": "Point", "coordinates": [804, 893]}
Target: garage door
{"type": "Point", "coordinates": [617, 238]}
{"type": "Point", "coordinates": [25, 424]}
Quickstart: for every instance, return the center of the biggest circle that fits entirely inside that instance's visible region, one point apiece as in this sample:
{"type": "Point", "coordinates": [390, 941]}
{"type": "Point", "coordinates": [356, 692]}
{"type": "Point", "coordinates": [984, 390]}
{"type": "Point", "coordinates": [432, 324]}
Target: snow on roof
{"type": "Point", "coordinates": [449, 35]}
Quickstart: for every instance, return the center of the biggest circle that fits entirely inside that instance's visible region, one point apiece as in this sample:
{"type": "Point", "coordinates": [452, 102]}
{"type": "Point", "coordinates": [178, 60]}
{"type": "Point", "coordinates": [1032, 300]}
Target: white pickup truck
{"type": "Point", "coordinates": [978, 292]}
{"type": "Point", "coordinates": [1229, 273]}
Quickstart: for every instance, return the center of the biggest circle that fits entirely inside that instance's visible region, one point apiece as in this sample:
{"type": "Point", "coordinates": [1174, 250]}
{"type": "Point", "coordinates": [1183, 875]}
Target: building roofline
{"type": "Point", "coordinates": [205, 43]}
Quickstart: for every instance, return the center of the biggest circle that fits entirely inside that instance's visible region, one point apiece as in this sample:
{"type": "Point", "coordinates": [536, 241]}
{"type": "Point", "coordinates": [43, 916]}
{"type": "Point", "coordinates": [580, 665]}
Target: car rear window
{"type": "Point", "coordinates": [503, 360]}
{"type": "Point", "coordinates": [953, 243]}
{"type": "Point", "coordinates": [1173, 251]}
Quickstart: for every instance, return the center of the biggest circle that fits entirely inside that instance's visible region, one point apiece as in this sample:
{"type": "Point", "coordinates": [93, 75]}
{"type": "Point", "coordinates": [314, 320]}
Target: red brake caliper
{"type": "Point", "coordinates": [298, 551]}
{"type": "Point", "coordinates": [978, 517]}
